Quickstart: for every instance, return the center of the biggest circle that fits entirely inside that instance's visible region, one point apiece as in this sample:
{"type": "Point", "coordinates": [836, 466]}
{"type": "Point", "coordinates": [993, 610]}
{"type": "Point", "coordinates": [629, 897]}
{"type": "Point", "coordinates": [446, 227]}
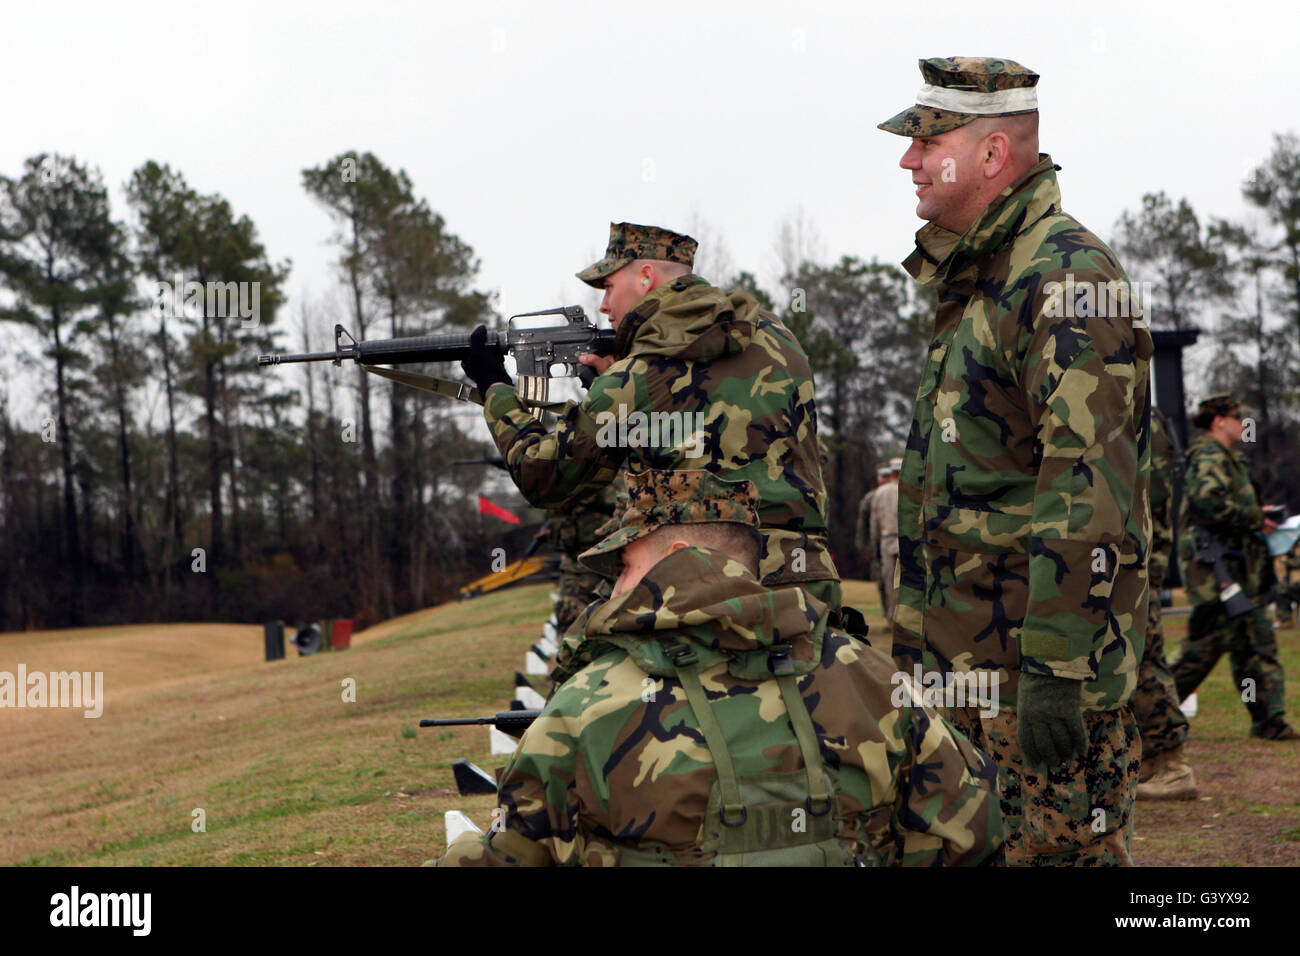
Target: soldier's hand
{"type": "Point", "coordinates": [484, 367]}
{"type": "Point", "coordinates": [600, 363]}
{"type": "Point", "coordinates": [1050, 719]}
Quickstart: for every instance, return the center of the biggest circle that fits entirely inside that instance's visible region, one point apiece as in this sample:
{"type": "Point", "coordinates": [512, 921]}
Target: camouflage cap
{"type": "Point", "coordinates": [628, 241]}
{"type": "Point", "coordinates": [660, 498]}
{"type": "Point", "coordinates": [1215, 405]}
{"type": "Point", "coordinates": [959, 89]}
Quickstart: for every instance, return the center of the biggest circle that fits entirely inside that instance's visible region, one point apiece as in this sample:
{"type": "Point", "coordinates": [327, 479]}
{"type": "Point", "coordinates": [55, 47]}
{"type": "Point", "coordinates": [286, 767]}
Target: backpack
{"type": "Point", "coordinates": [762, 819]}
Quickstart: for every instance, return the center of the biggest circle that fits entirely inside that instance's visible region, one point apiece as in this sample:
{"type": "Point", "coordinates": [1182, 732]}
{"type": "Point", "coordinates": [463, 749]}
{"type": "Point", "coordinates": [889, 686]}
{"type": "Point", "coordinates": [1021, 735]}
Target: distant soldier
{"type": "Point", "coordinates": [884, 534]}
{"type": "Point", "coordinates": [573, 530]}
{"type": "Point", "coordinates": [1165, 773]}
{"type": "Point", "coordinates": [1023, 518]}
{"type": "Point", "coordinates": [700, 379]}
{"type": "Point", "coordinates": [1220, 505]}
{"type": "Point", "coordinates": [1288, 589]}
{"type": "Point", "coordinates": [724, 723]}
{"type": "Point", "coordinates": [867, 546]}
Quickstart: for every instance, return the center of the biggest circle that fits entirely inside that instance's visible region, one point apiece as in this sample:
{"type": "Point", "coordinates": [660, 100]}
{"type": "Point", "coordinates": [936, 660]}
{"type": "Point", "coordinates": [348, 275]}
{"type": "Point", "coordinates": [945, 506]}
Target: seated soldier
{"type": "Point", "coordinates": [724, 723]}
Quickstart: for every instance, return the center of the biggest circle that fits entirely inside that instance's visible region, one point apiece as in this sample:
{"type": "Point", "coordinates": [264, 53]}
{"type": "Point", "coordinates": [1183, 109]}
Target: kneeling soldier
{"type": "Point", "coordinates": [724, 723]}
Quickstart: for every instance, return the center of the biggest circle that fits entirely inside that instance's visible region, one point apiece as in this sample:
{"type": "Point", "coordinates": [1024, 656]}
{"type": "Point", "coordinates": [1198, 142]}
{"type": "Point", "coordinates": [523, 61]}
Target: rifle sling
{"type": "Point", "coordinates": [460, 391]}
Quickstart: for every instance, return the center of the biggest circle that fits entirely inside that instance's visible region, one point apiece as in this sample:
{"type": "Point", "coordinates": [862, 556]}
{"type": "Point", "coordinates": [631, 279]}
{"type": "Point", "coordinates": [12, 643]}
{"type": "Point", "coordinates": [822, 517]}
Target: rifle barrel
{"type": "Point", "coordinates": [296, 357]}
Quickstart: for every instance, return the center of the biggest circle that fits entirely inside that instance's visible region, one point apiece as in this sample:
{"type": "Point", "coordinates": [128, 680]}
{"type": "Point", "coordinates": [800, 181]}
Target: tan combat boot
{"type": "Point", "coordinates": [1150, 766]}
{"type": "Point", "coordinates": [1173, 778]}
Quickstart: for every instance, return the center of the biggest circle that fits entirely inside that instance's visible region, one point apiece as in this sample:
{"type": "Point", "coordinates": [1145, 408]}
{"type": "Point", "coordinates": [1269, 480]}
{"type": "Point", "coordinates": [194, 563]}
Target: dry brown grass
{"type": "Point", "coordinates": [288, 773]}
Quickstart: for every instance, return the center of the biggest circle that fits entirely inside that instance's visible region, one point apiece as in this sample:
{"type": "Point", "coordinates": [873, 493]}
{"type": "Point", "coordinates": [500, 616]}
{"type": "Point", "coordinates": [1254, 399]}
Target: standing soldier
{"type": "Point", "coordinates": [884, 534]}
{"type": "Point", "coordinates": [1165, 773]}
{"type": "Point", "coordinates": [1220, 508]}
{"type": "Point", "coordinates": [867, 545]}
{"type": "Point", "coordinates": [1023, 518]}
{"type": "Point", "coordinates": [722, 723]}
{"type": "Point", "coordinates": [700, 379]}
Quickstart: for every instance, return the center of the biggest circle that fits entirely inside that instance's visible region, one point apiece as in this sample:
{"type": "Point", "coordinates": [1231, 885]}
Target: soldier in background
{"type": "Point", "coordinates": [573, 531]}
{"type": "Point", "coordinates": [1165, 773]}
{"type": "Point", "coordinates": [1023, 517]}
{"type": "Point", "coordinates": [633, 762]}
{"type": "Point", "coordinates": [1219, 499]}
{"type": "Point", "coordinates": [867, 546]}
{"type": "Point", "coordinates": [1288, 591]}
{"type": "Point", "coordinates": [884, 534]}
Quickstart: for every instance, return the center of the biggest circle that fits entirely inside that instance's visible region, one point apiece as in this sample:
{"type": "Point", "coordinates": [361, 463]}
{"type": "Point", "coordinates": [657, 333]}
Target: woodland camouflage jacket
{"type": "Point", "coordinates": [1166, 458]}
{"type": "Point", "coordinates": [618, 760]}
{"type": "Point", "coordinates": [1219, 496]}
{"type": "Point", "coordinates": [1023, 513]}
{"type": "Point", "coordinates": [692, 350]}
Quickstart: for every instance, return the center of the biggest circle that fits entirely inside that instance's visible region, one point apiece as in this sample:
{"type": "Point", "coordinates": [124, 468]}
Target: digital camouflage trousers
{"type": "Point", "coordinates": [1079, 813]}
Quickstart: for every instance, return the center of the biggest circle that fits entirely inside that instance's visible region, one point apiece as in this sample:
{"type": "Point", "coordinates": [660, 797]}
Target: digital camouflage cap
{"type": "Point", "coordinates": [628, 241]}
{"type": "Point", "coordinates": [660, 498]}
{"type": "Point", "coordinates": [1225, 404]}
{"type": "Point", "coordinates": [959, 89]}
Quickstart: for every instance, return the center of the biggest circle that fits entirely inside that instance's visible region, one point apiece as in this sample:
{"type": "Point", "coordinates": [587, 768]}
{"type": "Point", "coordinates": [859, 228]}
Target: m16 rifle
{"type": "Point", "coordinates": [496, 461]}
{"type": "Point", "coordinates": [472, 779]}
{"type": "Point", "coordinates": [512, 722]}
{"type": "Point", "coordinates": [537, 351]}
{"type": "Point", "coordinates": [1208, 549]}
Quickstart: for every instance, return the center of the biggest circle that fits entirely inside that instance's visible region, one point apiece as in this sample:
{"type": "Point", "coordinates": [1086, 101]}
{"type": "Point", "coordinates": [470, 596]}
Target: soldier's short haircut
{"type": "Point", "coordinates": [1021, 130]}
{"type": "Point", "coordinates": [735, 540]}
{"type": "Point", "coordinates": [669, 270]}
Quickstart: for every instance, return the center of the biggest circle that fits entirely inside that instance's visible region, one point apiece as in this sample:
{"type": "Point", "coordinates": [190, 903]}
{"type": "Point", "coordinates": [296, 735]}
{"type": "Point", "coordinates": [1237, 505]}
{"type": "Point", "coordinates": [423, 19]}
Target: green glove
{"type": "Point", "coordinates": [1050, 711]}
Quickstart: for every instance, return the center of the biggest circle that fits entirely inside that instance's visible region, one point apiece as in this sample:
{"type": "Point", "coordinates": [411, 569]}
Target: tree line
{"type": "Point", "coordinates": [165, 478]}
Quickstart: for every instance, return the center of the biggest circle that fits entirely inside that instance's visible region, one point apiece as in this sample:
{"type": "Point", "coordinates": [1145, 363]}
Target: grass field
{"type": "Point", "coordinates": [287, 773]}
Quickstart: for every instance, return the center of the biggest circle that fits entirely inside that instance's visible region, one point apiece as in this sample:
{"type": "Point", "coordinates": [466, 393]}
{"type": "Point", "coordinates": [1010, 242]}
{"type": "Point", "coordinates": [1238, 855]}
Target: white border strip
{"type": "Point", "coordinates": [969, 101]}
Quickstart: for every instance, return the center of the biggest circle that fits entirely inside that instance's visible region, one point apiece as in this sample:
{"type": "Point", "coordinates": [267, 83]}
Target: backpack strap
{"type": "Point", "coordinates": [819, 797]}
{"type": "Point", "coordinates": [732, 812]}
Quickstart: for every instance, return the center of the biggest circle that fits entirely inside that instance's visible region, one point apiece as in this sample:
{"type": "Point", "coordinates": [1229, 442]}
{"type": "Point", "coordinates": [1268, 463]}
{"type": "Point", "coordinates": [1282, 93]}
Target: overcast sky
{"type": "Point", "coordinates": [531, 126]}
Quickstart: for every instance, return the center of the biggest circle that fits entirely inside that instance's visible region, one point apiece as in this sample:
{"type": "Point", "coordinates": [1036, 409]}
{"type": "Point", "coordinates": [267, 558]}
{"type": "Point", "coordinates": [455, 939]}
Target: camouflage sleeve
{"type": "Point", "coordinates": [541, 787]}
{"type": "Point", "coordinates": [875, 532]}
{"type": "Point", "coordinates": [948, 811]}
{"type": "Point", "coordinates": [862, 538]}
{"type": "Point", "coordinates": [553, 469]}
{"type": "Point", "coordinates": [1212, 498]}
{"type": "Point", "coordinates": [486, 849]}
{"type": "Point", "coordinates": [1161, 491]}
{"type": "Point", "coordinates": [1081, 377]}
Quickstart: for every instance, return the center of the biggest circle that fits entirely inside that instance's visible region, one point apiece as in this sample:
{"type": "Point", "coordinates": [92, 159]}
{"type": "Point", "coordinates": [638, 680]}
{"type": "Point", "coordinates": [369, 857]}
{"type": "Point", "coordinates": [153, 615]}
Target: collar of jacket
{"type": "Point", "coordinates": [1205, 441]}
{"type": "Point", "coordinates": [706, 598]}
{"type": "Point", "coordinates": [941, 256]}
{"type": "Point", "coordinates": [687, 318]}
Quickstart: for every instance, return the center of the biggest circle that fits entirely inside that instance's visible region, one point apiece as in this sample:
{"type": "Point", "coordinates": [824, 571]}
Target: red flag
{"type": "Point", "coordinates": [486, 507]}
